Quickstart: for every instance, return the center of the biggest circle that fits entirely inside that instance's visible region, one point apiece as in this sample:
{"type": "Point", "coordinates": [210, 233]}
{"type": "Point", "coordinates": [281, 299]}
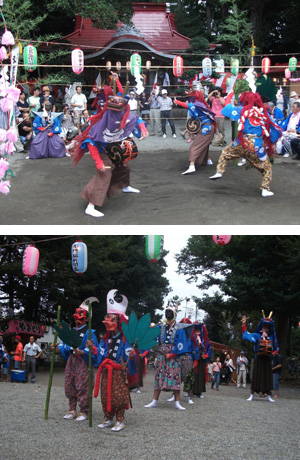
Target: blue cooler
{"type": "Point", "coordinates": [17, 375]}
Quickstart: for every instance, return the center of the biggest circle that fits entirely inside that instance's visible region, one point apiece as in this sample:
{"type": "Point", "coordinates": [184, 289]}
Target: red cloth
{"type": "Point", "coordinates": [110, 366]}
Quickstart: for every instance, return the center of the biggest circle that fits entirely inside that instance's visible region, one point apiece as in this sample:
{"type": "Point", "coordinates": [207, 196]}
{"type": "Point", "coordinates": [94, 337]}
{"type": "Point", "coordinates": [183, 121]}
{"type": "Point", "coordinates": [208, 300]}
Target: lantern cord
{"type": "Point", "coordinates": [37, 241]}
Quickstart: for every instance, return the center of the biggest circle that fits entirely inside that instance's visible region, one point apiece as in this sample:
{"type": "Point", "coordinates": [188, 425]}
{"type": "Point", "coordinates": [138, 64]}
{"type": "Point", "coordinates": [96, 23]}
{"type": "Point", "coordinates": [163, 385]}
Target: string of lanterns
{"type": "Point", "coordinates": [77, 60]}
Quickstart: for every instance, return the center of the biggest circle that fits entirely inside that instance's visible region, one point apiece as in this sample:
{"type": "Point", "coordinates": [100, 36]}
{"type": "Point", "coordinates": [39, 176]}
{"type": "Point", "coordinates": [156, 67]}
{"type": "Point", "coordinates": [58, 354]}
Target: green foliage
{"type": "Point", "coordinates": [114, 262]}
{"type": "Point", "coordinates": [240, 87]}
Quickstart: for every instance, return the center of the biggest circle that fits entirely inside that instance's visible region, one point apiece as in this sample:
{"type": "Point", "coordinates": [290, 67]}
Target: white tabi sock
{"type": "Point", "coordinates": [154, 403]}
{"type": "Point", "coordinates": [178, 406]}
{"type": "Point", "coordinates": [250, 398]}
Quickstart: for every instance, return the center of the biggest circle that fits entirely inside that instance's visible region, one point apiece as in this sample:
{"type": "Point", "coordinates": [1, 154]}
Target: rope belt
{"type": "Point", "coordinates": [110, 366]}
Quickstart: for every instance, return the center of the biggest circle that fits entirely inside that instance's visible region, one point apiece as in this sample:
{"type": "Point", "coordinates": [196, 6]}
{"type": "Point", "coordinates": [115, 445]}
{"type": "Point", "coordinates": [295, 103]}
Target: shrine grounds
{"type": "Point", "coordinates": [222, 426]}
{"type": "Point", "coordinates": [47, 192]}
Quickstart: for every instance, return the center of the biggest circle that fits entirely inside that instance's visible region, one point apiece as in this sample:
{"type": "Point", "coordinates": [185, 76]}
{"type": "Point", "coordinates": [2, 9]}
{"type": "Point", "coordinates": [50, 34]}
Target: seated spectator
{"type": "Point", "coordinates": [46, 97]}
{"type": "Point", "coordinates": [25, 129]}
{"type": "Point", "coordinates": [295, 148]}
{"type": "Point", "coordinates": [291, 127]}
{"type": "Point", "coordinates": [22, 103]}
{"type": "Point", "coordinates": [85, 120]}
{"type": "Point", "coordinates": [68, 128]}
{"type": "Point", "coordinates": [293, 98]}
{"type": "Point", "coordinates": [34, 101]}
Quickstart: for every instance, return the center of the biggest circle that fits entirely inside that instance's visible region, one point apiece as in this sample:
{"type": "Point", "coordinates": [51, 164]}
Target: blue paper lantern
{"type": "Point", "coordinates": [79, 257]}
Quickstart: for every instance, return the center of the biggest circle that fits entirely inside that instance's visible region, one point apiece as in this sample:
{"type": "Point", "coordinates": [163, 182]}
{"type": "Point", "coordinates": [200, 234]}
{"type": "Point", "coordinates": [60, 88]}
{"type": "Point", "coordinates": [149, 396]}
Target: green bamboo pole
{"type": "Point", "coordinates": [90, 368]}
{"type": "Point", "coordinates": [51, 367]}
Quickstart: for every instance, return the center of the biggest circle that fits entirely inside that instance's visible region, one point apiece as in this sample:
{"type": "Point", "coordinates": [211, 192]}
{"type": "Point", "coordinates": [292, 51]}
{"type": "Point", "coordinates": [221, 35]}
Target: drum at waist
{"type": "Point", "coordinates": [123, 151]}
{"type": "Point", "coordinates": [193, 126]}
{"type": "Point", "coordinates": [265, 347]}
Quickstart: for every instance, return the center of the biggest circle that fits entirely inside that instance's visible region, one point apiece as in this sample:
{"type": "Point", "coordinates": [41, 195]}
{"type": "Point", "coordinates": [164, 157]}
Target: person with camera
{"type": "Point", "coordinates": [68, 128]}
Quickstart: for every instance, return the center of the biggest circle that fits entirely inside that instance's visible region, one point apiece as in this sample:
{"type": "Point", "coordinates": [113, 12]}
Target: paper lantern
{"type": "Point", "coordinates": [30, 261]}
{"type": "Point", "coordinates": [135, 63]}
{"type": "Point", "coordinates": [266, 63]}
{"type": "Point", "coordinates": [221, 240]}
{"type": "Point", "coordinates": [207, 67]}
{"type": "Point", "coordinates": [148, 65]}
{"type": "Point", "coordinates": [154, 247]}
{"type": "Point", "coordinates": [77, 61]}
{"type": "Point", "coordinates": [234, 66]}
{"type": "Point", "coordinates": [108, 65]}
{"type": "Point", "coordinates": [79, 257]}
{"type": "Point", "coordinates": [30, 58]}
{"type": "Point", "coordinates": [118, 65]}
{"type": "Point", "coordinates": [177, 66]}
{"type": "Point", "coordinates": [293, 64]}
{"type": "Point", "coordinates": [287, 73]}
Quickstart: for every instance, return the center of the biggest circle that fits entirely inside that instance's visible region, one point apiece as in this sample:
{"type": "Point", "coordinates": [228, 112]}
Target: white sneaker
{"type": "Point", "coordinates": [286, 155]}
{"type": "Point", "coordinates": [118, 426]}
{"type": "Point", "coordinates": [171, 399]}
{"type": "Point", "coordinates": [164, 136]}
{"type": "Point", "coordinates": [130, 190]}
{"type": "Point", "coordinates": [106, 424]}
{"type": "Point", "coordinates": [201, 397]}
{"type": "Point", "coordinates": [250, 398]}
{"type": "Point", "coordinates": [191, 401]}
{"type": "Point", "coordinates": [138, 391]}
{"type": "Point", "coordinates": [209, 162]}
{"type": "Point", "coordinates": [178, 406]}
{"type": "Point", "coordinates": [190, 170]}
{"type": "Point", "coordinates": [174, 136]}
{"type": "Point", "coordinates": [242, 162]}
{"type": "Point", "coordinates": [154, 403]}
{"type": "Point", "coordinates": [265, 192]}
{"type": "Point", "coordinates": [70, 415]}
{"type": "Point", "coordinates": [270, 399]}
{"type": "Point", "coordinates": [91, 211]}
{"type": "Point", "coordinates": [81, 418]}
{"type": "Point", "coordinates": [216, 176]}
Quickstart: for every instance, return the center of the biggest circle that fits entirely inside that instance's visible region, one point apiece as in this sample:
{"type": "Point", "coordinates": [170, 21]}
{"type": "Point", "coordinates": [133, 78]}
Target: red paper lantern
{"type": "Point", "coordinates": [30, 261]}
{"type": "Point", "coordinates": [221, 240]}
{"type": "Point", "coordinates": [177, 66]}
{"type": "Point", "coordinates": [266, 63]}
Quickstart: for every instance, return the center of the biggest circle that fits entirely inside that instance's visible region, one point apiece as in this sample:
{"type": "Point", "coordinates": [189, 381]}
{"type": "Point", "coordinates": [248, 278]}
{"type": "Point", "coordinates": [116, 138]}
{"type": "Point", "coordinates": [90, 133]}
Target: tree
{"type": "Point", "coordinates": [251, 273]}
{"type": "Point", "coordinates": [114, 262]}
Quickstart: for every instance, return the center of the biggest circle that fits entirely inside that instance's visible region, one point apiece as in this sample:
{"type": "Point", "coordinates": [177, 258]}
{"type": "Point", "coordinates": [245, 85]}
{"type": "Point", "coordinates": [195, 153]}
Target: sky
{"type": "Point", "coordinates": [179, 284]}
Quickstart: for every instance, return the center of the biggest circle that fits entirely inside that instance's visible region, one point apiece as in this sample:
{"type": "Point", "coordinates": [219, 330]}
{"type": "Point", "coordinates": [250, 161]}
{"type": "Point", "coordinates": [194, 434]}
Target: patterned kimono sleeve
{"type": "Point", "coordinates": [85, 349]}
{"type": "Point", "coordinates": [131, 365]}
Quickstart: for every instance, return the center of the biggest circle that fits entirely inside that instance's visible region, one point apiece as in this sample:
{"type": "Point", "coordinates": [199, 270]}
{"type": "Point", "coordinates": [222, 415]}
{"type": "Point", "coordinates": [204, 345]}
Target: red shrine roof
{"type": "Point", "coordinates": [153, 24]}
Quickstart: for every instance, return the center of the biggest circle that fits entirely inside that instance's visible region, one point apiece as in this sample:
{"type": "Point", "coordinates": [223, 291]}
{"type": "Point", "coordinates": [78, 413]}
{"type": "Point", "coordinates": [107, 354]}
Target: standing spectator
{"type": "Point", "coordinates": [22, 103]}
{"type": "Point", "coordinates": [17, 353]}
{"type": "Point", "coordinates": [46, 97]}
{"type": "Point", "coordinates": [144, 103]}
{"type": "Point", "coordinates": [132, 102]}
{"type": "Point", "coordinates": [165, 105]}
{"type": "Point", "coordinates": [216, 366]}
{"type": "Point", "coordinates": [31, 353]}
{"type": "Point", "coordinates": [209, 370]}
{"type": "Point", "coordinates": [5, 365]}
{"type": "Point", "coordinates": [42, 358]}
{"type": "Point", "coordinates": [1, 350]}
{"type": "Point", "coordinates": [241, 364]}
{"type": "Point", "coordinates": [78, 104]}
{"type": "Point", "coordinates": [25, 129]}
{"type": "Point", "coordinates": [34, 101]}
{"type": "Point", "coordinates": [217, 105]}
{"type": "Point", "coordinates": [281, 101]}
{"type": "Point", "coordinates": [229, 364]}
{"type": "Point", "coordinates": [276, 368]}
{"type": "Point", "coordinates": [293, 98]}
{"type": "Point", "coordinates": [154, 115]}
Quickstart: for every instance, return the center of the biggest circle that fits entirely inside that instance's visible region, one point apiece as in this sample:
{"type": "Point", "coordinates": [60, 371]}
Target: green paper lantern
{"type": "Point", "coordinates": [30, 58]}
{"type": "Point", "coordinates": [154, 247]}
{"type": "Point", "coordinates": [293, 64]}
{"type": "Point", "coordinates": [234, 67]}
{"type": "Point", "coordinates": [135, 62]}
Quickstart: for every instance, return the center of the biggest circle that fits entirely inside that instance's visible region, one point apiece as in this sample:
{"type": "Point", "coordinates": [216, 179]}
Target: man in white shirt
{"type": "Point", "coordinates": [78, 104]}
{"type": "Point", "coordinates": [31, 353]}
{"type": "Point", "coordinates": [132, 102]}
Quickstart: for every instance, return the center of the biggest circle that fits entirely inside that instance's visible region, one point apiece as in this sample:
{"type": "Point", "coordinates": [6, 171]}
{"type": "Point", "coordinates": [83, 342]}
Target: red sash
{"type": "Point", "coordinates": [110, 366]}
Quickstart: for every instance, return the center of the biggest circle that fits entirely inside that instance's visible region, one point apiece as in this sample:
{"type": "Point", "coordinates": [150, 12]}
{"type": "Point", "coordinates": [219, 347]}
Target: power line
{"type": "Point", "coordinates": [37, 241]}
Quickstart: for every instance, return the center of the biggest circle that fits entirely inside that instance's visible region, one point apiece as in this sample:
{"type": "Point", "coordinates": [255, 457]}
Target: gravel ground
{"type": "Point", "coordinates": [222, 426]}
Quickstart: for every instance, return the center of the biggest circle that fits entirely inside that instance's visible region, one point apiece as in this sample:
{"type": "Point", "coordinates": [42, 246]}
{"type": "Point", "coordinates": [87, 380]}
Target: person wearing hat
{"type": "Point", "coordinates": [173, 342]}
{"type": "Point", "coordinates": [117, 362]}
{"type": "Point", "coordinates": [293, 98]}
{"type": "Point", "coordinates": [18, 353]}
{"type": "Point", "coordinates": [241, 364]}
{"type": "Point", "coordinates": [46, 97]}
{"type": "Point", "coordinates": [165, 105]}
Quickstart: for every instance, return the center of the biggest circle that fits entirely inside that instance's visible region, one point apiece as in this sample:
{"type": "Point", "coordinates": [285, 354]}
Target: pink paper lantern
{"type": "Point", "coordinates": [221, 240]}
{"type": "Point", "coordinates": [77, 61]}
{"type": "Point", "coordinates": [287, 73]}
{"type": "Point", "coordinates": [30, 261]}
{"type": "Point", "coordinates": [7, 38]}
